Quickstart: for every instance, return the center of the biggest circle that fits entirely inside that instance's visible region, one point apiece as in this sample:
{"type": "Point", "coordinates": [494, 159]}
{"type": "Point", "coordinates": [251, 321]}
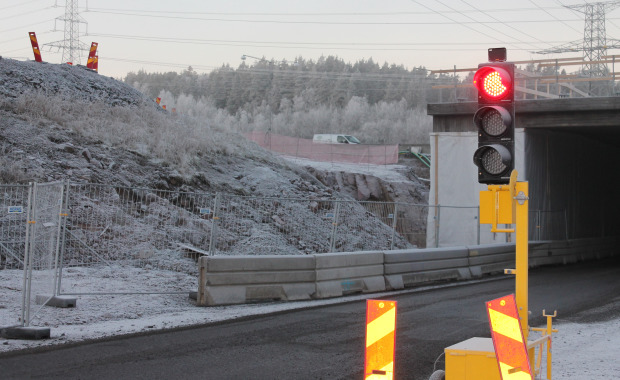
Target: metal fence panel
{"type": "Point", "coordinates": [114, 228]}
{"type": "Point", "coordinates": [13, 218]}
{"type": "Point", "coordinates": [261, 226]}
{"type": "Point", "coordinates": [367, 226]}
{"type": "Point", "coordinates": [43, 247]}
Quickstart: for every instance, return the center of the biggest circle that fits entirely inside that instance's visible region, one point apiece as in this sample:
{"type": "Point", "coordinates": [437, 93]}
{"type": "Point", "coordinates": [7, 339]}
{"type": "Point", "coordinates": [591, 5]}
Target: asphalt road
{"type": "Point", "coordinates": [323, 342]}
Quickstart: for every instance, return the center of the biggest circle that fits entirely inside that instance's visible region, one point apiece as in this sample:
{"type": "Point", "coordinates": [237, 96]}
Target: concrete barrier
{"type": "Point", "coordinates": [339, 274]}
{"type": "Point", "coordinates": [245, 279]}
{"type": "Point", "coordinates": [571, 251]}
{"type": "Point", "coordinates": [406, 268]}
{"type": "Point", "coordinates": [490, 259]}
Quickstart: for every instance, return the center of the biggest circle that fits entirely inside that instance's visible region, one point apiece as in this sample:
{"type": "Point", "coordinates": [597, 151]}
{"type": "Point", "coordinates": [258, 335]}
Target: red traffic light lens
{"type": "Point", "coordinates": [493, 83]}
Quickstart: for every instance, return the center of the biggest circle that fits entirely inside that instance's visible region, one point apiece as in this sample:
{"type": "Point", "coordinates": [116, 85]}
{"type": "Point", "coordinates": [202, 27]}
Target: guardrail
{"type": "Point", "coordinates": [244, 279]}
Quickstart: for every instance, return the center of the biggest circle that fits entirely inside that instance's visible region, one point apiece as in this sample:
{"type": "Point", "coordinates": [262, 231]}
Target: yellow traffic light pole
{"type": "Point", "coordinates": [510, 205]}
{"type": "Point", "coordinates": [475, 357]}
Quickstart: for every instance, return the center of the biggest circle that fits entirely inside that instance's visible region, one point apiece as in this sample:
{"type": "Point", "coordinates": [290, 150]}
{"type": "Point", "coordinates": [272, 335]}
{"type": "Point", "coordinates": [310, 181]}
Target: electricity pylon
{"type": "Point", "coordinates": [70, 45]}
{"type": "Point", "coordinates": [595, 42]}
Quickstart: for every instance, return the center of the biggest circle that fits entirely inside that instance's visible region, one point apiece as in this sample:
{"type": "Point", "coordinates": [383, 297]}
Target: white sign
{"type": "Point", "coordinates": [16, 210]}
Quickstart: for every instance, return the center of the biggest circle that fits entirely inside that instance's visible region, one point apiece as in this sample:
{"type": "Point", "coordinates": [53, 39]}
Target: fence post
{"type": "Point", "coordinates": [332, 244]}
{"type": "Point", "coordinates": [63, 245]}
{"type": "Point", "coordinates": [59, 241]}
{"type": "Point", "coordinates": [394, 222]}
{"type": "Point", "coordinates": [214, 225]}
{"type": "Point", "coordinates": [25, 296]}
{"type": "Point", "coordinates": [538, 226]}
{"type": "Point", "coordinates": [437, 218]}
{"type": "Point", "coordinates": [29, 254]}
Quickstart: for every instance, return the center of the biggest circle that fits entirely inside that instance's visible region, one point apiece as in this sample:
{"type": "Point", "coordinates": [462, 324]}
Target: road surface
{"type": "Point", "coordinates": [324, 342]}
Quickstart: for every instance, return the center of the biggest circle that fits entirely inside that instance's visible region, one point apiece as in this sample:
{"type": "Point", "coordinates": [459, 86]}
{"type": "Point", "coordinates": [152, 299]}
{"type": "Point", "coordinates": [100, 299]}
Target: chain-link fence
{"type": "Point", "coordinates": [126, 231]}
{"type": "Point", "coordinates": [42, 248]}
{"type": "Point", "coordinates": [13, 218]}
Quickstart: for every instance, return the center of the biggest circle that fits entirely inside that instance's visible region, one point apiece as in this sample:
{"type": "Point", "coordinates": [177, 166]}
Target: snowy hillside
{"type": "Point", "coordinates": [62, 122]}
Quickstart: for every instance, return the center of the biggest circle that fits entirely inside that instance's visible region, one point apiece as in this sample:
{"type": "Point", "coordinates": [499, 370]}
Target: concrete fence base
{"type": "Point", "coordinates": [244, 279]}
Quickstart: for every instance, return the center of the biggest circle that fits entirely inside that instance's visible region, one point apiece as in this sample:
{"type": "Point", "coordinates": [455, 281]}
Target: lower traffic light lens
{"type": "Point", "coordinates": [492, 162]}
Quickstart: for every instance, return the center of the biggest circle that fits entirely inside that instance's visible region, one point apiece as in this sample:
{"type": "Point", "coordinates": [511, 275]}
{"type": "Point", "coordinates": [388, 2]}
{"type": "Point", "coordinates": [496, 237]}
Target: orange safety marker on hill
{"type": "Point", "coordinates": [510, 347]}
{"type": "Point", "coordinates": [91, 55]}
{"type": "Point", "coordinates": [380, 328]}
{"type": "Point", "coordinates": [158, 100]}
{"type": "Point", "coordinates": [35, 47]}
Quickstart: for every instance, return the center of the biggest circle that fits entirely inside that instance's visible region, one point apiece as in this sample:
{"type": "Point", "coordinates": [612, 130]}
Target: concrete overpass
{"type": "Point", "coordinates": [568, 150]}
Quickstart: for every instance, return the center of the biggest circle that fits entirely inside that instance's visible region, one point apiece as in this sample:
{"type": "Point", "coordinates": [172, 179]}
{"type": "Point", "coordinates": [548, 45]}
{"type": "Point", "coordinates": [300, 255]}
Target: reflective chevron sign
{"type": "Point", "coordinates": [380, 327]}
{"type": "Point", "coordinates": [510, 347]}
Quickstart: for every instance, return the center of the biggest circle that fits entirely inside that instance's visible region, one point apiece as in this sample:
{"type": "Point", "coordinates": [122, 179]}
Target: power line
{"type": "Point", "coordinates": [506, 24]}
{"type": "Point", "coordinates": [168, 16]}
{"type": "Point", "coordinates": [306, 14]}
{"type": "Point", "coordinates": [19, 5]}
{"type": "Point", "coordinates": [294, 44]}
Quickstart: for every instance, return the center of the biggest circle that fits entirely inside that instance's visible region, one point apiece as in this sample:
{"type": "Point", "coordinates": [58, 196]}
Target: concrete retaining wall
{"type": "Point", "coordinates": [244, 279]}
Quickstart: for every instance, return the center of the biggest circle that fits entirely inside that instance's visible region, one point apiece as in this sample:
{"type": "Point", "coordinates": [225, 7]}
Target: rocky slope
{"type": "Point", "coordinates": [61, 122]}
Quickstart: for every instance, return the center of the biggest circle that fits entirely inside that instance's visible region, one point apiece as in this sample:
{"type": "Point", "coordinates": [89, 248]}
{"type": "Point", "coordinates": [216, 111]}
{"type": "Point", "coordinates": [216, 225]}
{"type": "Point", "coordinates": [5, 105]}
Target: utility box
{"type": "Point", "coordinates": [472, 359]}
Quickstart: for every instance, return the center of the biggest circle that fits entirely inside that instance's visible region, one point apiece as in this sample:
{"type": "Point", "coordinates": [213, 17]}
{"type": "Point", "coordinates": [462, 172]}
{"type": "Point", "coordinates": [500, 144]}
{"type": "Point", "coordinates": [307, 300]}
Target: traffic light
{"type": "Point", "coordinates": [494, 120]}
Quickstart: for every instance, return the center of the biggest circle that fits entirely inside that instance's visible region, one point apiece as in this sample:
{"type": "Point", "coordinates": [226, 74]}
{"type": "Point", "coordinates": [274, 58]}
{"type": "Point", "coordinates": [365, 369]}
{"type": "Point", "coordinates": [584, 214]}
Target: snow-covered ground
{"type": "Point", "coordinates": [580, 351]}
{"type": "Point", "coordinates": [388, 173]}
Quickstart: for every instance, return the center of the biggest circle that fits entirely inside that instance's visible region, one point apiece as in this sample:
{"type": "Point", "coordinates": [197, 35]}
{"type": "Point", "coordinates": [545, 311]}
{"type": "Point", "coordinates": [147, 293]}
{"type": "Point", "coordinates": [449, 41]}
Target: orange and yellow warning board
{"type": "Point", "coordinates": [510, 347]}
{"type": "Point", "coordinates": [90, 63]}
{"type": "Point", "coordinates": [380, 328]}
{"type": "Point", "coordinates": [35, 47]}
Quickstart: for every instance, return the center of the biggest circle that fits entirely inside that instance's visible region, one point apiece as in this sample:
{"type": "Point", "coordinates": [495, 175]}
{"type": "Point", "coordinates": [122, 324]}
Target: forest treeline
{"type": "Point", "coordinates": [379, 104]}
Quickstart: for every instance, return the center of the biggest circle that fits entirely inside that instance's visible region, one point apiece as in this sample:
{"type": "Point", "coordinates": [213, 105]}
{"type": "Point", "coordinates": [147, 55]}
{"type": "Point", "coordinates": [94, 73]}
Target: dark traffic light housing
{"type": "Point", "coordinates": [494, 120]}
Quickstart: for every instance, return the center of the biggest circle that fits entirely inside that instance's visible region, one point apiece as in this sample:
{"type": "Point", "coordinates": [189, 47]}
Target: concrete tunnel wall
{"type": "Point", "coordinates": [576, 173]}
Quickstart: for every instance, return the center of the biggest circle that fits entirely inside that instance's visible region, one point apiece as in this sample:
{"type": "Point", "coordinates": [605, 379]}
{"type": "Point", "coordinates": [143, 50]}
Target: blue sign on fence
{"type": "Point", "coordinates": [205, 211]}
{"type": "Point", "coordinates": [16, 210]}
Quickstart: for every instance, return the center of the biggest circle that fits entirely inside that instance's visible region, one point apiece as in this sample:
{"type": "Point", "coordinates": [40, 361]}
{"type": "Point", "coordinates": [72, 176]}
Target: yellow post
{"type": "Point", "coordinates": [521, 199]}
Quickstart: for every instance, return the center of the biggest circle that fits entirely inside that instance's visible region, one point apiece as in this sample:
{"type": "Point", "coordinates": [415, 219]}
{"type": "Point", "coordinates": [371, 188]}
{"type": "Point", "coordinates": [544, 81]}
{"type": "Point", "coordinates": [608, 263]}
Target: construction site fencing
{"type": "Point", "coordinates": [42, 249]}
{"type": "Point", "coordinates": [13, 222]}
{"type": "Point", "coordinates": [30, 232]}
{"type": "Point", "coordinates": [127, 232]}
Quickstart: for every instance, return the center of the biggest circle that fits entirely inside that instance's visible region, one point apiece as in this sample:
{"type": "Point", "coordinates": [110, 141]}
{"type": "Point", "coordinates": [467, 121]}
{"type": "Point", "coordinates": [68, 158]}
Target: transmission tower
{"type": "Point", "coordinates": [595, 42]}
{"type": "Point", "coordinates": [70, 45]}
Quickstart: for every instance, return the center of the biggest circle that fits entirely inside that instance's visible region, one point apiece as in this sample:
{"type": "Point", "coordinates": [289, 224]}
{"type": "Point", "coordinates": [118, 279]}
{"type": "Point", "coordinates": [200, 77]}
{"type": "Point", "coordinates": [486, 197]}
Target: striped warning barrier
{"type": "Point", "coordinates": [91, 55]}
{"type": "Point", "coordinates": [380, 327]}
{"type": "Point", "coordinates": [510, 347]}
{"type": "Point", "coordinates": [35, 47]}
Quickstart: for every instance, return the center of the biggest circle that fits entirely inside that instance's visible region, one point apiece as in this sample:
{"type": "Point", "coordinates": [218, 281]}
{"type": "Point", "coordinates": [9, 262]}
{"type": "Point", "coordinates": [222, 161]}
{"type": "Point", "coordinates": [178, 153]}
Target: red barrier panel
{"type": "Point", "coordinates": [347, 153]}
{"type": "Point", "coordinates": [35, 47]}
{"type": "Point", "coordinates": [91, 56]}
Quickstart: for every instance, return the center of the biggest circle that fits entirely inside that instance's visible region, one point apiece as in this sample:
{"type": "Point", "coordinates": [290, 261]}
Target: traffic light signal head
{"type": "Point", "coordinates": [494, 82]}
{"type": "Point", "coordinates": [494, 120]}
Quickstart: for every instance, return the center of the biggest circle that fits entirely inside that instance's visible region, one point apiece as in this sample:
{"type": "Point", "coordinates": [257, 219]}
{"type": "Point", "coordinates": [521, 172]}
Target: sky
{"type": "Point", "coordinates": [161, 36]}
